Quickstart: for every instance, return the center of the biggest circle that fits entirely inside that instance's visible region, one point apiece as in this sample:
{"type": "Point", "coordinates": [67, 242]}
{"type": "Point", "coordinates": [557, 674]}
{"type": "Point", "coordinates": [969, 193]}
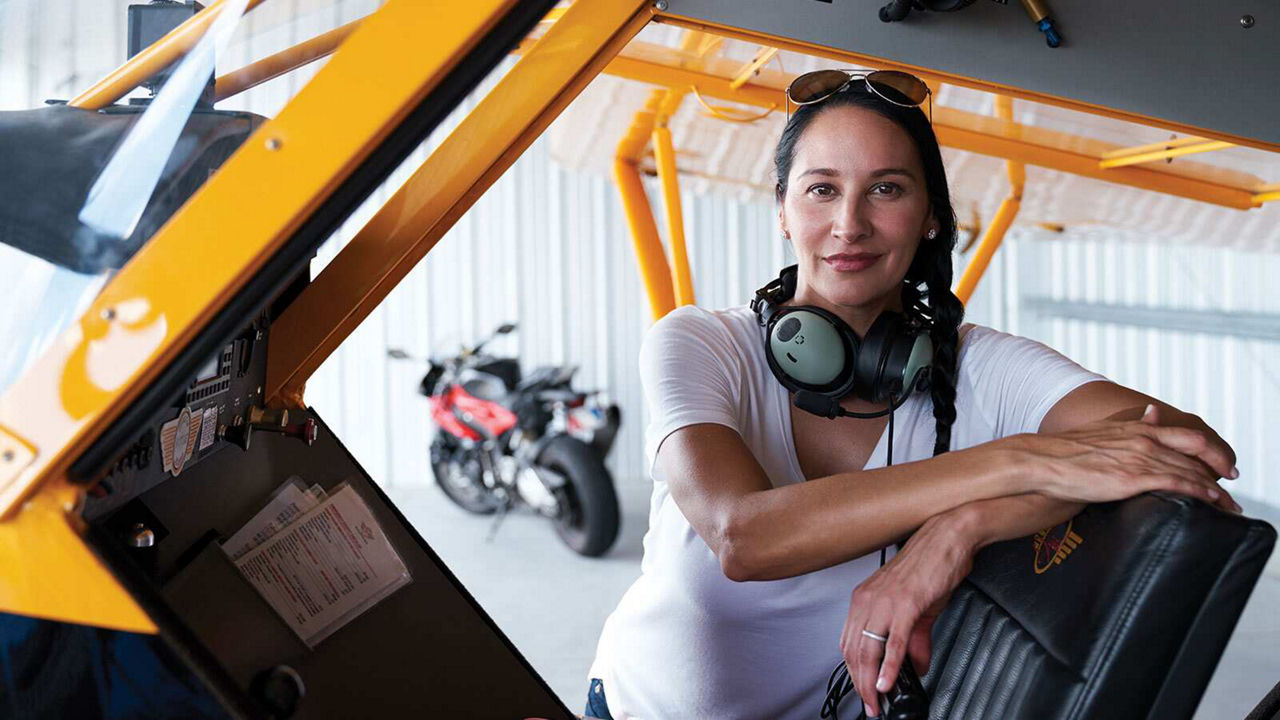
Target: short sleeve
{"type": "Point", "coordinates": [691, 373]}
{"type": "Point", "coordinates": [1015, 380]}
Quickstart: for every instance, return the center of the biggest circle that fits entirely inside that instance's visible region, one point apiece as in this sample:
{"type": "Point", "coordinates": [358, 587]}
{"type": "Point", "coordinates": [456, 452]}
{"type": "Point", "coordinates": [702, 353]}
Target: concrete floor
{"type": "Point", "coordinates": [553, 603]}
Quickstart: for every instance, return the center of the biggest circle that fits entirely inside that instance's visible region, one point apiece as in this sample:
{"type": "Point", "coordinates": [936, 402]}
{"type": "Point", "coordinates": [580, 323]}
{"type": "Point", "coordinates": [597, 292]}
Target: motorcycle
{"type": "Point", "coordinates": [505, 440]}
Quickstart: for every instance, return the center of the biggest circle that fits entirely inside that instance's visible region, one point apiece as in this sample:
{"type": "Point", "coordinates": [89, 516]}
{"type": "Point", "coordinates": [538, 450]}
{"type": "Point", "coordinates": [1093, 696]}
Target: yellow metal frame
{"type": "Point", "coordinates": [273, 66]}
{"type": "Point", "coordinates": [1003, 219]}
{"type": "Point", "coordinates": [935, 75]}
{"type": "Point", "coordinates": [664, 67]}
{"type": "Point", "coordinates": [153, 59]}
{"type": "Point", "coordinates": [682, 72]}
{"type": "Point", "coordinates": [190, 269]}
{"type": "Point", "coordinates": [476, 153]}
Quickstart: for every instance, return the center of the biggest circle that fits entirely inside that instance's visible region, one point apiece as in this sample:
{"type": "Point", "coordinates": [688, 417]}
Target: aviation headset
{"type": "Point", "coordinates": [817, 356]}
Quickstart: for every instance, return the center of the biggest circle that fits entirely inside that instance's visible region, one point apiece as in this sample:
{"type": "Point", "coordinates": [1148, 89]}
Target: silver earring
{"type": "Point", "coordinates": [933, 233]}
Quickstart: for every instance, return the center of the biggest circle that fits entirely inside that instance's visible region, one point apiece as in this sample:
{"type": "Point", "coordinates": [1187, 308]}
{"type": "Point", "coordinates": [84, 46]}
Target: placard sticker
{"type": "Point", "coordinates": [326, 567]}
{"type": "Point", "coordinates": [178, 440]}
{"type": "Point", "coordinates": [209, 431]}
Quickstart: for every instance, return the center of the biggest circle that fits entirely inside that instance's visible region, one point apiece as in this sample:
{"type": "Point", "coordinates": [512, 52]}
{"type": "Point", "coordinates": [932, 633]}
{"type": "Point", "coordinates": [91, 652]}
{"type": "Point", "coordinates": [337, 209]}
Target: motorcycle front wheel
{"type": "Point", "coordinates": [458, 474]}
{"type": "Point", "coordinates": [588, 519]}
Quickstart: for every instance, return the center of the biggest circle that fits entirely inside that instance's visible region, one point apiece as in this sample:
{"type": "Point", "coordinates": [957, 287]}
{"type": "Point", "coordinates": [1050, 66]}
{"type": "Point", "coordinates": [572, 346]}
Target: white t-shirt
{"type": "Point", "coordinates": [687, 642]}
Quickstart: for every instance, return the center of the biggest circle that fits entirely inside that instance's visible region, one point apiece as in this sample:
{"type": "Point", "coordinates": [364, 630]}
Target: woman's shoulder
{"type": "Point", "coordinates": [986, 351]}
{"type": "Point", "coordinates": [702, 326]}
{"type": "Point", "coordinates": [974, 338]}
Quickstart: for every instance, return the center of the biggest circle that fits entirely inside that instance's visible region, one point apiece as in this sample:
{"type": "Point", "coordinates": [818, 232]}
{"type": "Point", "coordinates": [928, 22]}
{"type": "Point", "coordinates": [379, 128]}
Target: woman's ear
{"type": "Point", "coordinates": [931, 226]}
{"type": "Point", "coordinates": [782, 221]}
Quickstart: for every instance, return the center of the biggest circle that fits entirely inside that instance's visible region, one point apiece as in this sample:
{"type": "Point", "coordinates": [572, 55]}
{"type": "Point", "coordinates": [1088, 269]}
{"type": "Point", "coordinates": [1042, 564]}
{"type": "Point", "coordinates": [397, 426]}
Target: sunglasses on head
{"type": "Point", "coordinates": [892, 86]}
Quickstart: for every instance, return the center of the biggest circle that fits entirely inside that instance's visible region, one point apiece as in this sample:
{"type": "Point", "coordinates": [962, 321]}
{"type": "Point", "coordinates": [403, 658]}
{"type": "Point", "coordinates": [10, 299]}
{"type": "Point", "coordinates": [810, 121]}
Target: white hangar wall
{"type": "Point", "coordinates": [548, 249]}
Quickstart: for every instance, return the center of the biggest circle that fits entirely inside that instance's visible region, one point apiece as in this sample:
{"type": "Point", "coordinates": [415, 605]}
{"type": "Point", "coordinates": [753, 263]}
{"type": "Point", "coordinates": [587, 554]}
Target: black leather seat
{"type": "Point", "coordinates": [1121, 613]}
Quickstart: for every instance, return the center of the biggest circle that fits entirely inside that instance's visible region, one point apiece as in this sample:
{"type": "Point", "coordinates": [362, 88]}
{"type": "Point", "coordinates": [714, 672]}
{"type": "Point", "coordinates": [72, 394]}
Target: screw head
{"type": "Point", "coordinates": [142, 536]}
{"type": "Point", "coordinates": [274, 143]}
{"type": "Point", "coordinates": [1246, 21]}
{"type": "Point", "coordinates": [8, 456]}
{"type": "Point", "coordinates": [660, 5]}
{"type": "Point", "coordinates": [109, 314]}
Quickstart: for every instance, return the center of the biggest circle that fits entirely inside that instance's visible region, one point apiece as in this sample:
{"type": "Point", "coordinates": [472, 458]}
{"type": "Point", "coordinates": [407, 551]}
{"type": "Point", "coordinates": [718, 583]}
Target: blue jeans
{"type": "Point", "coordinates": [596, 705]}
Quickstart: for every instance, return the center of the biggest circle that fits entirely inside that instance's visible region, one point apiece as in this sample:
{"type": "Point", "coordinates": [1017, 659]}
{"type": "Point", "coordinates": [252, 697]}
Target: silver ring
{"type": "Point", "coordinates": [874, 636]}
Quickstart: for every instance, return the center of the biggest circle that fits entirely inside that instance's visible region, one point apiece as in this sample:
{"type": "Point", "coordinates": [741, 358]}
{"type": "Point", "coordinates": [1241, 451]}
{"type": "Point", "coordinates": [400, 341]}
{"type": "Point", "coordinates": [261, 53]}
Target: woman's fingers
{"type": "Point", "coordinates": [1169, 482]}
{"type": "Point", "coordinates": [895, 650]}
{"type": "Point", "coordinates": [1195, 444]}
{"type": "Point", "coordinates": [867, 661]}
{"type": "Point", "coordinates": [1228, 503]}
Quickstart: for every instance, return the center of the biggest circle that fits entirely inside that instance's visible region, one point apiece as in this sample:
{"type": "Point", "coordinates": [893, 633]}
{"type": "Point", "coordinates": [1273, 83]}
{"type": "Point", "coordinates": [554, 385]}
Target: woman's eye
{"type": "Point", "coordinates": [886, 189]}
{"type": "Point", "coordinates": [822, 190]}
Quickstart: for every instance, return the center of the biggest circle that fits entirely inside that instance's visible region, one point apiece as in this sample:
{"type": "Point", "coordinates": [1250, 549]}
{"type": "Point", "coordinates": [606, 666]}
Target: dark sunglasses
{"type": "Point", "coordinates": [892, 86]}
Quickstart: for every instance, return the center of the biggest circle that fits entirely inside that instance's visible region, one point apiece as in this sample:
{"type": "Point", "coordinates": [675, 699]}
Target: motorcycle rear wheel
{"type": "Point", "coordinates": [588, 521]}
{"type": "Point", "coordinates": [458, 475]}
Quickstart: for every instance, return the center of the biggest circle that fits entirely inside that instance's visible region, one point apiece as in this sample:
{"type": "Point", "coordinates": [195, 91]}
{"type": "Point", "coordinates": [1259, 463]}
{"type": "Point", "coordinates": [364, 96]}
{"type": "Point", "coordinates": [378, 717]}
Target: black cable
{"type": "Point", "coordinates": [840, 684]}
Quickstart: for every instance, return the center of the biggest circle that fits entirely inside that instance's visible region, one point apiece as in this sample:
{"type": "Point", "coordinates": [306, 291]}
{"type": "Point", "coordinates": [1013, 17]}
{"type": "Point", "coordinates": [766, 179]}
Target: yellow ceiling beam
{"type": "Point", "coordinates": [666, 67]}
{"type": "Point", "coordinates": [928, 74]}
{"type": "Point", "coordinates": [752, 68]}
{"type": "Point", "coordinates": [1167, 153]}
{"type": "Point", "coordinates": [1150, 147]}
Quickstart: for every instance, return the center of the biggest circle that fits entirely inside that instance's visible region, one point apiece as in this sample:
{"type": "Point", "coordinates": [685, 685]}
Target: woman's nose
{"type": "Point", "coordinates": [852, 221]}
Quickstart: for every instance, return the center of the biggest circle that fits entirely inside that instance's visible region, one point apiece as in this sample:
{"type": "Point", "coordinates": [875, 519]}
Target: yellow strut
{"type": "Point", "coordinates": [158, 56]}
{"type": "Point", "coordinates": [664, 155]}
{"type": "Point", "coordinates": [1164, 153]}
{"type": "Point", "coordinates": [1000, 223]}
{"type": "Point", "coordinates": [650, 255]}
{"type": "Point", "coordinates": [273, 66]}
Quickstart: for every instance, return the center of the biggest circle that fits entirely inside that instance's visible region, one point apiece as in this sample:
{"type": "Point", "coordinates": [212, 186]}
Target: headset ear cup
{"type": "Point", "coordinates": [868, 365]}
{"type": "Point", "coordinates": [891, 356]}
{"type": "Point", "coordinates": [920, 358]}
{"type": "Point", "coordinates": [807, 351]}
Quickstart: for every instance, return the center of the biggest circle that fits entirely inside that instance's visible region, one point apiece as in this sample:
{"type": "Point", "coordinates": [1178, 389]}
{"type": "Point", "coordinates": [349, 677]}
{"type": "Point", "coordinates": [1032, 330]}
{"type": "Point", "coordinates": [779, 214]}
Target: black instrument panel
{"type": "Point", "coordinates": [209, 415]}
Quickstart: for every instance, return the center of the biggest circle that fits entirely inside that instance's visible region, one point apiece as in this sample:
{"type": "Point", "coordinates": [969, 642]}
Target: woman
{"type": "Point", "coordinates": [749, 488]}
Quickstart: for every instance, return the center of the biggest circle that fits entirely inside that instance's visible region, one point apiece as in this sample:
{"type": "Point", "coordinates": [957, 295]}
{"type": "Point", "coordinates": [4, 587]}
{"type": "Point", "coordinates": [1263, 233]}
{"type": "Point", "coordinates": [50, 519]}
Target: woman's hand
{"type": "Point", "coordinates": [900, 601]}
{"type": "Point", "coordinates": [1114, 460]}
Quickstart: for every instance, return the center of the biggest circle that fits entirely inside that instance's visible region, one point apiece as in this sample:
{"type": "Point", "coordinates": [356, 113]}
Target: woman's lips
{"type": "Point", "coordinates": [843, 262]}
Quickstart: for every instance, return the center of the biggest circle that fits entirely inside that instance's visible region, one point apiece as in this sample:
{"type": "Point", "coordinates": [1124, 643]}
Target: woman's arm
{"type": "Point", "coordinates": [1013, 517]}
{"type": "Point", "coordinates": [761, 533]}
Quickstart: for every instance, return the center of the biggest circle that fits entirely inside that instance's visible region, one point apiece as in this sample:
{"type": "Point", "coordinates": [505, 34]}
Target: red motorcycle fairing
{"type": "Point", "coordinates": [448, 408]}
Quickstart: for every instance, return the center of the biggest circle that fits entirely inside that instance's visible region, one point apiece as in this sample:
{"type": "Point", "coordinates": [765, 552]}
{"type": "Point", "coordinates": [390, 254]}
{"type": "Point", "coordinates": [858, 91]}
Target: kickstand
{"type": "Point", "coordinates": [498, 517]}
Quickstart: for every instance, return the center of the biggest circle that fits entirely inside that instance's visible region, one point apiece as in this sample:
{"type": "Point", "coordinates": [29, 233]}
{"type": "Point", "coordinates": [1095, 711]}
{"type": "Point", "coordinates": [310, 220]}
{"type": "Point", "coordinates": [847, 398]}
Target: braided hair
{"type": "Point", "coordinates": [926, 288]}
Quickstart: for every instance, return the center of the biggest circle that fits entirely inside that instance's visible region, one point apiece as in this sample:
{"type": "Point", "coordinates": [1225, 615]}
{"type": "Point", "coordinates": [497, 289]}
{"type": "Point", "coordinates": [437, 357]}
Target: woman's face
{"type": "Point", "coordinates": [856, 208]}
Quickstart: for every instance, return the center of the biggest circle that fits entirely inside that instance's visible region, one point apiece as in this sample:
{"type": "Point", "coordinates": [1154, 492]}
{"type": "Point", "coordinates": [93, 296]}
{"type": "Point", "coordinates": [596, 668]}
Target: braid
{"type": "Point", "coordinates": [948, 313]}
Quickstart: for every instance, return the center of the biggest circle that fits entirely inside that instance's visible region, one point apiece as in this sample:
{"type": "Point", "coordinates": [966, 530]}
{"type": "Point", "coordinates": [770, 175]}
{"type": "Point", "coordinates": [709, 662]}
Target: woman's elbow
{"type": "Point", "coordinates": [734, 552]}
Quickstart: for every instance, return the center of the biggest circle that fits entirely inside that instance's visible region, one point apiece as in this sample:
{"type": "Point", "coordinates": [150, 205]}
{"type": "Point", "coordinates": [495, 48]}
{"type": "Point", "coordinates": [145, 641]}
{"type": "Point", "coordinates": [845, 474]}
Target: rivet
{"type": "Point", "coordinates": [660, 5]}
{"type": "Point", "coordinates": [142, 536]}
{"type": "Point", "coordinates": [274, 143]}
{"type": "Point", "coordinates": [1246, 21]}
{"type": "Point", "coordinates": [109, 314]}
{"type": "Point", "coordinates": [8, 456]}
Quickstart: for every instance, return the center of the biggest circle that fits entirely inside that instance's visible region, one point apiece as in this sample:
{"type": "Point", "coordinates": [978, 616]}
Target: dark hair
{"type": "Point", "coordinates": [935, 305]}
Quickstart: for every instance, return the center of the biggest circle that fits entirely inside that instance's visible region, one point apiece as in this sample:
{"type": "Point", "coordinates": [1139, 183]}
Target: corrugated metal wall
{"type": "Point", "coordinates": [548, 249]}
